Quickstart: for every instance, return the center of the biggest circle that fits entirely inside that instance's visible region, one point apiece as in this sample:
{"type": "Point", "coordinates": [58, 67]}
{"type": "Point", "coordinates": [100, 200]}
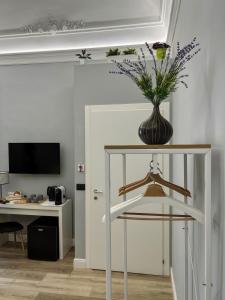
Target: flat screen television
{"type": "Point", "coordinates": [34, 158]}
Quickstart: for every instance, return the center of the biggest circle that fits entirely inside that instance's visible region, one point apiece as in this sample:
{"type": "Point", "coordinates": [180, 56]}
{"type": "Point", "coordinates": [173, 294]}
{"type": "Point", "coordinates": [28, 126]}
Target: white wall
{"type": "Point", "coordinates": [36, 105]}
{"type": "Point", "coordinates": [46, 102]}
{"type": "Point", "coordinates": [94, 85]}
{"type": "Point", "coordinates": [198, 117]}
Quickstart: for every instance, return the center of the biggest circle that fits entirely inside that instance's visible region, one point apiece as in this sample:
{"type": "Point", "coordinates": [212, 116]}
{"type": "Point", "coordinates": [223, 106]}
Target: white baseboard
{"type": "Point", "coordinates": [79, 263]}
{"type": "Point", "coordinates": [173, 285]}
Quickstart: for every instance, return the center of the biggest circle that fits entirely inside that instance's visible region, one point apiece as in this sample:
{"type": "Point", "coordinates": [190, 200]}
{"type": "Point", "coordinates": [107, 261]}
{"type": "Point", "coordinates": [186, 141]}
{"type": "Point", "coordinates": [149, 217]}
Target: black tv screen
{"type": "Point", "coordinates": [34, 158]}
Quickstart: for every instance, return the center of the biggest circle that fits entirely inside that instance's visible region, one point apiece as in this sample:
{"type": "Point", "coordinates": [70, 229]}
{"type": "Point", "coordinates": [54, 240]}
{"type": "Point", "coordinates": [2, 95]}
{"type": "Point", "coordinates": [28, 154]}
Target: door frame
{"type": "Point", "coordinates": [165, 109]}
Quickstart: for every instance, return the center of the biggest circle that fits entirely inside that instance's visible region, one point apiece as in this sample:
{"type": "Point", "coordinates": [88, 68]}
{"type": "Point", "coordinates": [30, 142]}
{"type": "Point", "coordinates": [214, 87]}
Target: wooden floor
{"type": "Point", "coordinates": [23, 279]}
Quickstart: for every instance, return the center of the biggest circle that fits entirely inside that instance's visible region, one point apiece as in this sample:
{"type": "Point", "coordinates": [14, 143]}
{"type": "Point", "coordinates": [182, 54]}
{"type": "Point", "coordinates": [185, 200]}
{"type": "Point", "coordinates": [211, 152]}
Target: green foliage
{"type": "Point", "coordinates": [164, 77]}
{"type": "Point", "coordinates": [113, 52]}
{"type": "Point", "coordinates": [165, 85]}
{"type": "Point", "coordinates": [130, 51]}
{"type": "Point", "coordinates": [84, 54]}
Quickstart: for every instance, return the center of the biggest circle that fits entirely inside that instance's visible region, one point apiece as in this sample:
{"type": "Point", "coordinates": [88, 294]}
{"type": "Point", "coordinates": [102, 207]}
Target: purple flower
{"type": "Point", "coordinates": [166, 76]}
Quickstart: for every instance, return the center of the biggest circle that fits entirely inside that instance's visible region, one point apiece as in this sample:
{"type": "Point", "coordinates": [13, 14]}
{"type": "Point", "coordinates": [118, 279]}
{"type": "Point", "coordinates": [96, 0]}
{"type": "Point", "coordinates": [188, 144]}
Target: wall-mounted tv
{"type": "Point", "coordinates": [34, 158]}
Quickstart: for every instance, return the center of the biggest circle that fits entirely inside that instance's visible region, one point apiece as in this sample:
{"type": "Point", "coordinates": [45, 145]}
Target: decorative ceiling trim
{"type": "Point", "coordinates": [50, 28]}
{"type": "Point", "coordinates": [49, 25]}
{"type": "Point", "coordinates": [53, 25]}
{"type": "Point", "coordinates": [46, 45]}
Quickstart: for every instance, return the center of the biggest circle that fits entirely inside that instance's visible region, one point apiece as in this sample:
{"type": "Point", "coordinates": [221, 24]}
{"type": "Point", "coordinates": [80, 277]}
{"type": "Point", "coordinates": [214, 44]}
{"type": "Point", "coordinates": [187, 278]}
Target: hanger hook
{"type": "Point", "coordinates": [151, 167]}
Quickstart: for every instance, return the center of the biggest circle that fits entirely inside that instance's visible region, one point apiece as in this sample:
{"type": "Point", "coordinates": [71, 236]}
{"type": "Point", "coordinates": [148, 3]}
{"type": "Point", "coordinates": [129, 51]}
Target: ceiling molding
{"type": "Point", "coordinates": [61, 46]}
{"type": "Point", "coordinates": [80, 30]}
{"type": "Point", "coordinates": [37, 58]}
{"type": "Point", "coordinates": [98, 56]}
{"type": "Point", "coordinates": [80, 40]}
{"type": "Point", "coordinates": [175, 9]}
{"type": "Point", "coordinates": [51, 26]}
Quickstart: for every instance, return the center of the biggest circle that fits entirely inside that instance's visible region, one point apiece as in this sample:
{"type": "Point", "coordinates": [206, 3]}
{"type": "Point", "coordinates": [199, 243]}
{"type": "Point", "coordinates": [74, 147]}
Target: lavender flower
{"type": "Point", "coordinates": [166, 76]}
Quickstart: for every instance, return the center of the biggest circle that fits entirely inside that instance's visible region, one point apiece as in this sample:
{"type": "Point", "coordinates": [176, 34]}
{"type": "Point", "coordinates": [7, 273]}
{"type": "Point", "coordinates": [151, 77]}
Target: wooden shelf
{"type": "Point", "coordinates": [109, 60]}
{"type": "Point", "coordinates": [176, 146]}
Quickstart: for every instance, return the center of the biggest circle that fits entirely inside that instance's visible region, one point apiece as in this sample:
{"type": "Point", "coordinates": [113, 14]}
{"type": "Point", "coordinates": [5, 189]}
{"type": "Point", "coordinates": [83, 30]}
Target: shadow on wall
{"type": "Point", "coordinates": [198, 229]}
{"type": "Point", "coordinates": [218, 220]}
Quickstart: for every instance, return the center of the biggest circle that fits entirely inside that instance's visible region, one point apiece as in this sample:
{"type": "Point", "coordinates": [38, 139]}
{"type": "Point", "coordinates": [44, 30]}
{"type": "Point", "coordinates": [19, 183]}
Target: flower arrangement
{"type": "Point", "coordinates": [160, 49]}
{"type": "Point", "coordinates": [166, 74]}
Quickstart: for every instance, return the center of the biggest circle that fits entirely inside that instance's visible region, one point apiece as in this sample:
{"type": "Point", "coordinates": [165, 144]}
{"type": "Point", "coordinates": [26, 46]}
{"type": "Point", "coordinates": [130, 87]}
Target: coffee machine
{"type": "Point", "coordinates": [60, 195]}
{"type": "Point", "coordinates": [51, 192]}
{"type": "Point", "coordinates": [57, 194]}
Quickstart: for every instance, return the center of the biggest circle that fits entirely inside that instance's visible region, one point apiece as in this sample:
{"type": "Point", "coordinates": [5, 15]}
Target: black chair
{"type": "Point", "coordinates": [9, 227]}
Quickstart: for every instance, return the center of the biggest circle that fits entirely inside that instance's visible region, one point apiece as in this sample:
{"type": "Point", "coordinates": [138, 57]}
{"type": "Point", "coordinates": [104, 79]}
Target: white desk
{"type": "Point", "coordinates": [63, 212]}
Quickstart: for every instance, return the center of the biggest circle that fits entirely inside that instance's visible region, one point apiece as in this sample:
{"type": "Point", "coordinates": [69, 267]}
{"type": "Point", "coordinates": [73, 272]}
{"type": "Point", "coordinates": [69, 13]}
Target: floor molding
{"type": "Point", "coordinates": [79, 263]}
{"type": "Point", "coordinates": [173, 285]}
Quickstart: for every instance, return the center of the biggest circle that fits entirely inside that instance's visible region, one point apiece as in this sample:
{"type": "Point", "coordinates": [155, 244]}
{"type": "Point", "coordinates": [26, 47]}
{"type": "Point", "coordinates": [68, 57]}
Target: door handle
{"type": "Point", "coordinates": [97, 191]}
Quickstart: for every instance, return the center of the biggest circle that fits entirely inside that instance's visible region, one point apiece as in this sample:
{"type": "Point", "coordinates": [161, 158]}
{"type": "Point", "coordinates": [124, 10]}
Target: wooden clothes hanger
{"type": "Point", "coordinates": [157, 178]}
{"type": "Point", "coordinates": [134, 185]}
{"type": "Point", "coordinates": [154, 190]}
{"type": "Point", "coordinates": [155, 217]}
{"type": "Point", "coordinates": [150, 177]}
{"type": "Point", "coordinates": [154, 194]}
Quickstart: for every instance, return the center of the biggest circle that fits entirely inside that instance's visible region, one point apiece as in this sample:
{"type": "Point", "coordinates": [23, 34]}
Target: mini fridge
{"type": "Point", "coordinates": [43, 239]}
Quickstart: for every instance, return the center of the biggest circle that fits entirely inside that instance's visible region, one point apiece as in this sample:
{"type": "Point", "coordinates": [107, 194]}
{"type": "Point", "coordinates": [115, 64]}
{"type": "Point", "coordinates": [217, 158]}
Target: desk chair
{"type": "Point", "coordinates": [9, 227]}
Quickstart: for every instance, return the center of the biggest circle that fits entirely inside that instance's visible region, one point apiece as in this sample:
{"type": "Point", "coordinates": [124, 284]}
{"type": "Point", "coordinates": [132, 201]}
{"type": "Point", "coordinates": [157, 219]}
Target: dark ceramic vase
{"type": "Point", "coordinates": [156, 130]}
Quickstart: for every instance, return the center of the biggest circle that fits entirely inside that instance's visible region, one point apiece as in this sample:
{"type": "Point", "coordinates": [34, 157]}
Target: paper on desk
{"type": "Point", "coordinates": [48, 203]}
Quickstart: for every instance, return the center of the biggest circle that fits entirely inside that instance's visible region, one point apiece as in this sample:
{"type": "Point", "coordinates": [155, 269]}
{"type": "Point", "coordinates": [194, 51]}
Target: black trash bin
{"type": "Point", "coordinates": [43, 239]}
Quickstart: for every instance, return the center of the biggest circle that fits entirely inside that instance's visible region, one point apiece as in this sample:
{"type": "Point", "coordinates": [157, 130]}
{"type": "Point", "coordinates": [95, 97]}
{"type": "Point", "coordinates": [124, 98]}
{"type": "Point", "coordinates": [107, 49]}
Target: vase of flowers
{"type": "Point", "coordinates": [156, 130]}
{"type": "Point", "coordinates": [157, 84]}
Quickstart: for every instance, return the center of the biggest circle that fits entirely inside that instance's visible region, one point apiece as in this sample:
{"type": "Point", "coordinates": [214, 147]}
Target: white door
{"type": "Point", "coordinates": [147, 241]}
